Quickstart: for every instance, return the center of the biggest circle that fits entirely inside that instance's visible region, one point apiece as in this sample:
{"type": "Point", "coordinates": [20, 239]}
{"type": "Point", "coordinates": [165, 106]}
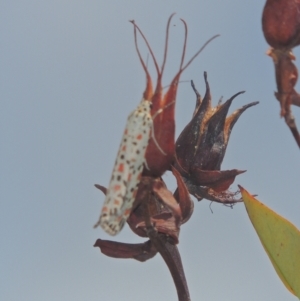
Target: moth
{"type": "Point", "coordinates": [128, 169]}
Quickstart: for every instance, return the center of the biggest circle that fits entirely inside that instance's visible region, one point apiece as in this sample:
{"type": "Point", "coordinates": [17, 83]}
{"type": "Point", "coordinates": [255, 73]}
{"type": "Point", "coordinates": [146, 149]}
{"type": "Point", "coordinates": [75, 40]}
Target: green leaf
{"type": "Point", "coordinates": [280, 239]}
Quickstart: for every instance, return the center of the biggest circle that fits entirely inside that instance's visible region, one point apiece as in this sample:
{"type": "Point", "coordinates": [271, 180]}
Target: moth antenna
{"type": "Point", "coordinates": [153, 117]}
{"type": "Point", "coordinates": [146, 165]}
{"type": "Point", "coordinates": [180, 82]}
{"type": "Point", "coordinates": [156, 143]}
{"type": "Point", "coordinates": [193, 57]}
{"type": "Point", "coordinates": [198, 52]}
{"type": "Point", "coordinates": [162, 109]}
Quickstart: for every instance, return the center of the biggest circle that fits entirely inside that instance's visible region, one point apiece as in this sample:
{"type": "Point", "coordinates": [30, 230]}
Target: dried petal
{"type": "Point", "coordinates": [163, 223]}
{"type": "Point", "coordinates": [140, 252]}
{"type": "Point", "coordinates": [217, 180]}
{"type": "Point", "coordinates": [183, 197]}
{"type": "Point", "coordinates": [165, 195]}
{"type": "Point", "coordinates": [224, 197]}
{"type": "Point", "coordinates": [187, 142]}
{"type": "Point", "coordinates": [211, 148]}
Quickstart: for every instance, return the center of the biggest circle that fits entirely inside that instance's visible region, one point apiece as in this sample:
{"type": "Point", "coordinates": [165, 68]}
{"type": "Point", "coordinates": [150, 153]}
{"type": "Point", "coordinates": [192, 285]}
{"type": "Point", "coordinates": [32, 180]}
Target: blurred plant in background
{"type": "Point", "coordinates": [281, 28]}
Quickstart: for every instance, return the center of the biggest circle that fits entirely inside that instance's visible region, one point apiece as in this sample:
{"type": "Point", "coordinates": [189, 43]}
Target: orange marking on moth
{"type": "Point", "coordinates": [121, 167]}
{"type": "Point", "coordinates": [123, 148]}
{"type": "Point", "coordinates": [117, 187]}
{"type": "Point", "coordinates": [117, 202]}
{"type": "Point", "coordinates": [127, 212]}
{"type": "Point", "coordinates": [139, 137]}
{"type": "Point", "coordinates": [119, 218]}
{"type": "Point", "coordinates": [104, 209]}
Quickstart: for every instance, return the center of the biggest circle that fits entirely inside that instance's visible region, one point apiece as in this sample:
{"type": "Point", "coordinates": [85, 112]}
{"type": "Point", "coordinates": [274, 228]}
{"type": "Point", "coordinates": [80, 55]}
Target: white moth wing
{"type": "Point", "coordinates": [127, 170]}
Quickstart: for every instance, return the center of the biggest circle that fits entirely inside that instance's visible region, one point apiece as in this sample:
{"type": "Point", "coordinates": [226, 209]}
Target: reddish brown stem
{"type": "Point", "coordinates": [290, 121]}
{"type": "Point", "coordinates": [171, 256]}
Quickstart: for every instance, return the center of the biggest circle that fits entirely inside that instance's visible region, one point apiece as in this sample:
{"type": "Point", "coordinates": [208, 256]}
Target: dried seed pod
{"type": "Point", "coordinates": [201, 147]}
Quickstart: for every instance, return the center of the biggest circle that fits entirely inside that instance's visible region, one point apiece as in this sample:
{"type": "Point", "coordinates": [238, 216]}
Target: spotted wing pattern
{"type": "Point", "coordinates": [127, 170]}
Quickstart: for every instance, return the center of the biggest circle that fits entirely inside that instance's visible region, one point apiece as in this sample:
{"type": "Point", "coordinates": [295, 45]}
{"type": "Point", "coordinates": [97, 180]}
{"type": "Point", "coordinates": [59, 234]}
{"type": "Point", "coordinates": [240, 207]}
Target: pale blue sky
{"type": "Point", "coordinates": [69, 77]}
